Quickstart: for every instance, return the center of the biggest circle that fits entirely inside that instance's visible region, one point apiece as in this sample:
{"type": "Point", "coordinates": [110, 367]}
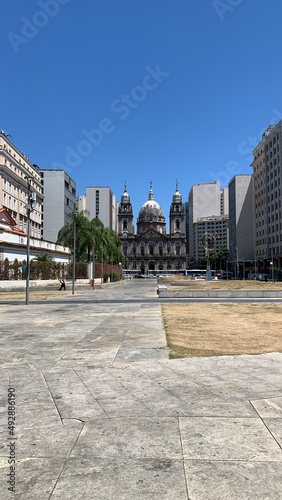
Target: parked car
{"type": "Point", "coordinates": [226, 275]}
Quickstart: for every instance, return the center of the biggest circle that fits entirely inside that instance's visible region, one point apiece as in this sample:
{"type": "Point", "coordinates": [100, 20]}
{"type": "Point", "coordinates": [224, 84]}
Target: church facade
{"type": "Point", "coordinates": [151, 250]}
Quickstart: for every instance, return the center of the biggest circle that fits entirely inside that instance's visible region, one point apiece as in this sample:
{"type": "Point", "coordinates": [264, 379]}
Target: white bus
{"type": "Point", "coordinates": [199, 273]}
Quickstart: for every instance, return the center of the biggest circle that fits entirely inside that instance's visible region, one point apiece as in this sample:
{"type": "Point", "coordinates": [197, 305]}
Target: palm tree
{"type": "Point", "coordinates": [114, 254]}
{"type": "Point", "coordinates": [92, 239]}
{"type": "Point", "coordinates": [66, 235]}
{"type": "Point", "coordinates": [224, 255]}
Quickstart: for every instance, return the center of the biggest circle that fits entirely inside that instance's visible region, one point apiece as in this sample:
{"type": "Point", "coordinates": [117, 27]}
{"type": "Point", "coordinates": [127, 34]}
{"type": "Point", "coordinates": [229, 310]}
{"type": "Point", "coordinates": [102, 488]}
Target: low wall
{"type": "Point", "coordinates": [21, 284]}
{"type": "Point", "coordinates": [164, 292]}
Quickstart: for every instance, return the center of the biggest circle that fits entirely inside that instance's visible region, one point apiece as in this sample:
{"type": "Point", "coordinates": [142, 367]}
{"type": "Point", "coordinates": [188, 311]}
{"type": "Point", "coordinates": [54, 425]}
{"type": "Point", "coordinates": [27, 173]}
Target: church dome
{"type": "Point", "coordinates": [151, 210]}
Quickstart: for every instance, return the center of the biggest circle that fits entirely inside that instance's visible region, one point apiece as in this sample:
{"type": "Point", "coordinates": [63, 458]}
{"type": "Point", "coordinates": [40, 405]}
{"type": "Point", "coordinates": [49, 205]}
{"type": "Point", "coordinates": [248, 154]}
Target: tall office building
{"type": "Point", "coordinates": [267, 170]}
{"type": "Point", "coordinates": [59, 201]}
{"type": "Point", "coordinates": [241, 220]}
{"type": "Point", "coordinates": [102, 203]}
{"type": "Point", "coordinates": [15, 171]}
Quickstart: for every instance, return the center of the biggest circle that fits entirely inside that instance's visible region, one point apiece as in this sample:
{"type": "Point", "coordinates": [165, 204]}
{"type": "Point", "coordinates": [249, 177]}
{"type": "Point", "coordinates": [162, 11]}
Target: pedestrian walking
{"type": "Point", "coordinates": [63, 284]}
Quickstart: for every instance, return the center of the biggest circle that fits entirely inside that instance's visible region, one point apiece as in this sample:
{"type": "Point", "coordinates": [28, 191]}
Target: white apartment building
{"type": "Point", "coordinates": [59, 191]}
{"type": "Point", "coordinates": [102, 203]}
{"type": "Point", "coordinates": [15, 171]}
{"type": "Point", "coordinates": [207, 214]}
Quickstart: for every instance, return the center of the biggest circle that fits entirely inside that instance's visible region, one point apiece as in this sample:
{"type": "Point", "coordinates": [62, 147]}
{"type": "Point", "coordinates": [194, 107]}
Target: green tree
{"type": "Point", "coordinates": [66, 235]}
{"type": "Point", "coordinates": [92, 238]}
{"type": "Point", "coordinates": [44, 257]}
{"type": "Point", "coordinates": [224, 256]}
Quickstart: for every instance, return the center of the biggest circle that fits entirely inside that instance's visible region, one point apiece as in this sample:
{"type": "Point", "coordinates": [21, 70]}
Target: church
{"type": "Point", "coordinates": [151, 250]}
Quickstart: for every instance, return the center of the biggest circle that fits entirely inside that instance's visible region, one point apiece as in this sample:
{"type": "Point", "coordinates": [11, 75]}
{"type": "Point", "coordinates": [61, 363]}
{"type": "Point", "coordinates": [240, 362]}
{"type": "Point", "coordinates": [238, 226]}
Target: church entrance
{"type": "Point", "coordinates": [151, 266]}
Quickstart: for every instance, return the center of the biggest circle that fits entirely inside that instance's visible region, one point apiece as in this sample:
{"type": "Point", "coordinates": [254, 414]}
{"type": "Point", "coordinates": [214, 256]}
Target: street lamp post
{"type": "Point", "coordinates": [237, 263]}
{"type": "Point", "coordinates": [29, 208]}
{"type": "Point", "coordinates": [208, 241]}
{"type": "Point", "coordinates": [93, 267]}
{"type": "Point", "coordinates": [272, 276]}
{"type": "Point", "coordinates": [102, 267]}
{"type": "Point", "coordinates": [74, 256]}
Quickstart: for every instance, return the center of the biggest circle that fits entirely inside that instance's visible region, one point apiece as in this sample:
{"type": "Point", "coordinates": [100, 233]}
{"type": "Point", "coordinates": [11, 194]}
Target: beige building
{"type": "Point", "coordinates": [15, 169]}
{"type": "Point", "coordinates": [267, 169]}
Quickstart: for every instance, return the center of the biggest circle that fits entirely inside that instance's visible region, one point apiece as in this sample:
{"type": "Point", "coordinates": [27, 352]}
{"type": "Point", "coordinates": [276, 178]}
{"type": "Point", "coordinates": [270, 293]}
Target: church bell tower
{"type": "Point", "coordinates": [125, 215]}
{"type": "Point", "coordinates": [176, 214]}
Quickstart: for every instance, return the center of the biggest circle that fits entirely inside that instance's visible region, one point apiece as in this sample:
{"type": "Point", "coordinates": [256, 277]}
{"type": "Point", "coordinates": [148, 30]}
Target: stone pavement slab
{"type": "Point", "coordinates": [103, 413]}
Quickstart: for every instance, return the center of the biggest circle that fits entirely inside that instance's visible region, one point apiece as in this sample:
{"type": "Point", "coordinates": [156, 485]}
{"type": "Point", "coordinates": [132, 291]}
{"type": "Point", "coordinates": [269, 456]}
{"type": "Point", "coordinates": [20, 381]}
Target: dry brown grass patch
{"type": "Point", "coordinates": [33, 294]}
{"type": "Point", "coordinates": [222, 329]}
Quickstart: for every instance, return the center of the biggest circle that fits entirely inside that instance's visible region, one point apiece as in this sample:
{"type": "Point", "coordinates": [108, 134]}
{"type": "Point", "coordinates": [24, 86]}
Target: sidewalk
{"type": "Point", "coordinates": [103, 414]}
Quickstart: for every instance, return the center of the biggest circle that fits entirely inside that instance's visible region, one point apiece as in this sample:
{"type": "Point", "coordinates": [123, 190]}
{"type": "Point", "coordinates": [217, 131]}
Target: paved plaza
{"type": "Point", "coordinates": [101, 413]}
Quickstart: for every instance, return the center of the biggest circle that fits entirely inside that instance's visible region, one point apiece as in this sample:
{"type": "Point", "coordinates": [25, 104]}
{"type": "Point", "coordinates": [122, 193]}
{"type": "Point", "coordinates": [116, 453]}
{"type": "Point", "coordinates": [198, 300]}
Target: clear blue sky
{"type": "Point", "coordinates": [141, 90]}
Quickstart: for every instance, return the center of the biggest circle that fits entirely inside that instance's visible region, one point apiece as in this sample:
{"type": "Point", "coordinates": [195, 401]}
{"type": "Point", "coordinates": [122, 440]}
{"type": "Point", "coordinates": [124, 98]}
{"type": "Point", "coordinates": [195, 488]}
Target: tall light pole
{"type": "Point", "coordinates": [208, 241]}
{"type": "Point", "coordinates": [272, 263]}
{"type": "Point", "coordinates": [74, 256]}
{"type": "Point", "coordinates": [237, 262]}
{"type": "Point", "coordinates": [102, 267]}
{"type": "Point", "coordinates": [29, 208]}
{"type": "Point", "coordinates": [93, 263]}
